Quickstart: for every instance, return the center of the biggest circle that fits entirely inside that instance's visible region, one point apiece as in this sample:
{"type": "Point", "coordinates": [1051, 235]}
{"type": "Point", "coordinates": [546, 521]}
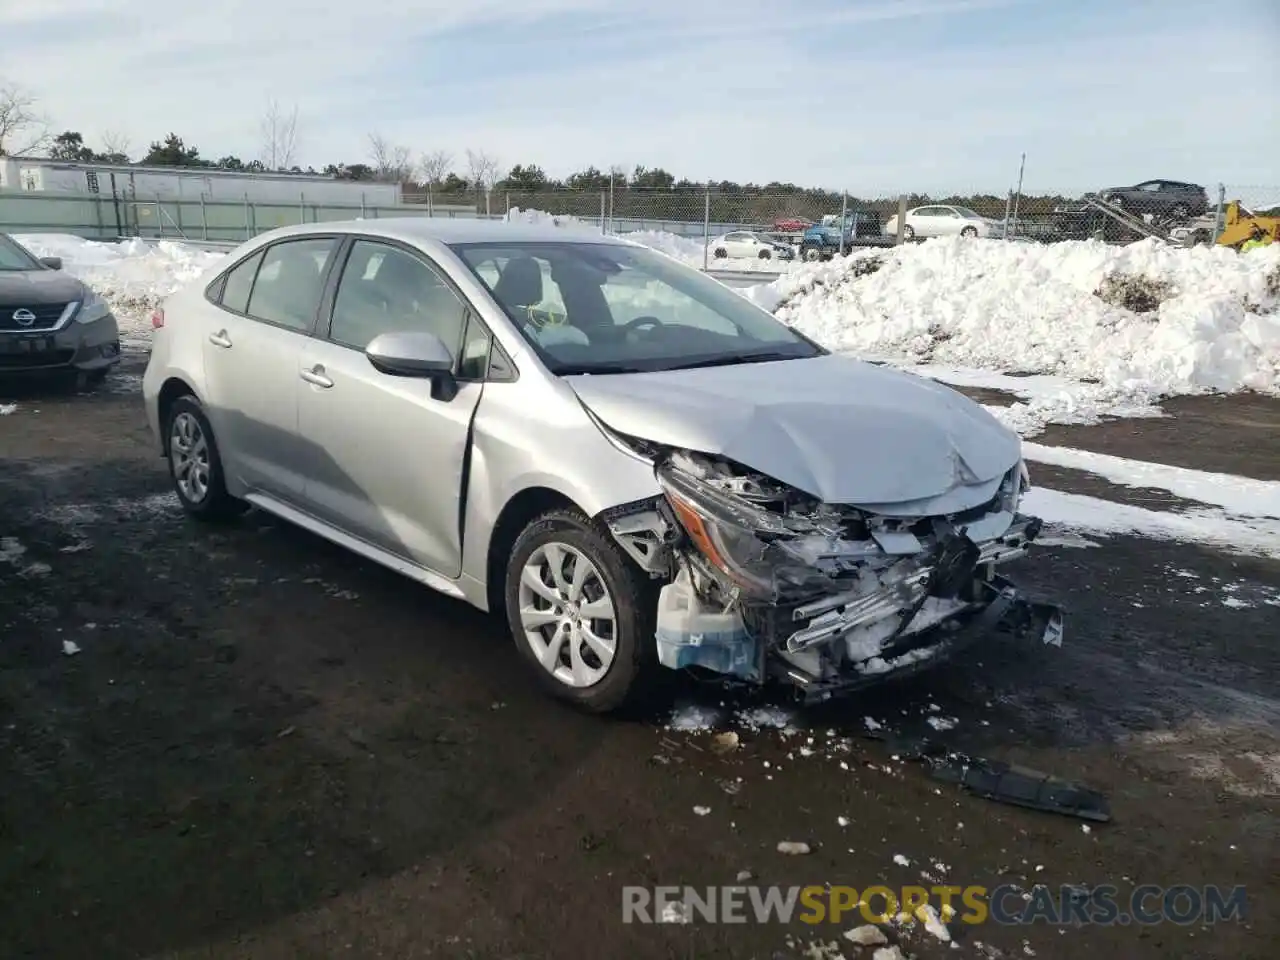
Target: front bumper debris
{"type": "Point", "coordinates": [764, 584]}
{"type": "Point", "coordinates": [926, 610]}
{"type": "Point", "coordinates": [1005, 612]}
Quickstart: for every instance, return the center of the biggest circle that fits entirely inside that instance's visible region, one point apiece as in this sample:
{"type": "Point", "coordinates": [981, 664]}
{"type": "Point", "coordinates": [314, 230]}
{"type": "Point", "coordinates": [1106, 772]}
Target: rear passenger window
{"type": "Point", "coordinates": [235, 291]}
{"type": "Point", "coordinates": [289, 283]}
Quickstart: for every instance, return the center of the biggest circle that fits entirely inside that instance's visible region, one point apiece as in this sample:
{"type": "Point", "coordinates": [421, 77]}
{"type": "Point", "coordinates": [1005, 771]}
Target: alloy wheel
{"type": "Point", "coordinates": [189, 457]}
{"type": "Point", "coordinates": [568, 615]}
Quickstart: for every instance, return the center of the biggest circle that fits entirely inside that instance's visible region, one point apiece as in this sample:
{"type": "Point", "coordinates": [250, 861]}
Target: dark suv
{"type": "Point", "coordinates": [1164, 199]}
{"type": "Point", "coordinates": [50, 322]}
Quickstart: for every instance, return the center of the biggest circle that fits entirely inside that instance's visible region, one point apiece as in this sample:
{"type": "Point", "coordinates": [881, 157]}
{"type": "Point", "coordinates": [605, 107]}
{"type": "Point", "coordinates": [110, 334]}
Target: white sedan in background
{"type": "Point", "coordinates": [743, 244]}
{"type": "Point", "coordinates": [944, 220]}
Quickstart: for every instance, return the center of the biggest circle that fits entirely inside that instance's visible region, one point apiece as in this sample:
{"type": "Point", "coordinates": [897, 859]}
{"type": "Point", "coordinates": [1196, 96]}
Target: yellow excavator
{"type": "Point", "coordinates": [1239, 225]}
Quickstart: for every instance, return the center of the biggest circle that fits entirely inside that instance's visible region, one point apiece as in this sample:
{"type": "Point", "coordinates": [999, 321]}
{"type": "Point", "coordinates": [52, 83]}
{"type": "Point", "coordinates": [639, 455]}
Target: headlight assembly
{"type": "Point", "coordinates": [731, 536]}
{"type": "Point", "coordinates": [92, 308]}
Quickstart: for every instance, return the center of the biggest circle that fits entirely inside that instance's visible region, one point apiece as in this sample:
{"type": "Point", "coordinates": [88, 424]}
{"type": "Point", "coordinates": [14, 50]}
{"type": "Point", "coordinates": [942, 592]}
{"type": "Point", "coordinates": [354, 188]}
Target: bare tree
{"type": "Point", "coordinates": [115, 146]}
{"type": "Point", "coordinates": [23, 129]}
{"type": "Point", "coordinates": [434, 166]}
{"type": "Point", "coordinates": [279, 130]}
{"type": "Point", "coordinates": [391, 162]}
{"type": "Point", "coordinates": [483, 170]}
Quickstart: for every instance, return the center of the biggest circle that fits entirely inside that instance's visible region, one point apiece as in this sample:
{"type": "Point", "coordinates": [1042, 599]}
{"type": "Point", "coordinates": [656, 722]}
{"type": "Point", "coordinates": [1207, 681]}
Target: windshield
{"type": "Point", "coordinates": [14, 257]}
{"type": "Point", "coordinates": [591, 307]}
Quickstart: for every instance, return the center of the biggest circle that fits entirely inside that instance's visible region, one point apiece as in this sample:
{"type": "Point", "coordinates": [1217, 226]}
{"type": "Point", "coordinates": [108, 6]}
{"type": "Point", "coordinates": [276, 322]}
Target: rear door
{"type": "Point", "coordinates": [262, 315]}
{"type": "Point", "coordinates": [386, 454]}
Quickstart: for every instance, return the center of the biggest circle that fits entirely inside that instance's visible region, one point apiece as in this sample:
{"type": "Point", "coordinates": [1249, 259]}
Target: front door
{"type": "Point", "coordinates": [386, 454]}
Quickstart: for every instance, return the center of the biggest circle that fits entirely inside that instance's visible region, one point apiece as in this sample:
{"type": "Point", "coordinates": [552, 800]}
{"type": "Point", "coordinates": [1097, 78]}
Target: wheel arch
{"type": "Point", "coordinates": [516, 514]}
{"type": "Point", "coordinates": [171, 390]}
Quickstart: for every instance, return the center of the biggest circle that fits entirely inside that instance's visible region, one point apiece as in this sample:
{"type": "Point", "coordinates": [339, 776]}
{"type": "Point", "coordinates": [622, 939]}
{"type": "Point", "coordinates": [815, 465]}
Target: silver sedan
{"type": "Point", "coordinates": [631, 463]}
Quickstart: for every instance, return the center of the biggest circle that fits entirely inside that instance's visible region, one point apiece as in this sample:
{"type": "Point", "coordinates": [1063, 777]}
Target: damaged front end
{"type": "Point", "coordinates": [767, 582]}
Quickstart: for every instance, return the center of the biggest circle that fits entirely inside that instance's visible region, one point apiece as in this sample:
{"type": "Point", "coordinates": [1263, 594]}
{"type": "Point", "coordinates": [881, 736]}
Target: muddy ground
{"type": "Point", "coordinates": [267, 748]}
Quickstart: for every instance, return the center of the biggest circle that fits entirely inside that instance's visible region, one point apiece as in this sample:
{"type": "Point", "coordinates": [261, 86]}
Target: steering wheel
{"type": "Point", "coordinates": [646, 321]}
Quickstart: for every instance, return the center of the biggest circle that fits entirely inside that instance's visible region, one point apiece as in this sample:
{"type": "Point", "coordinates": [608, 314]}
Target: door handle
{"type": "Point", "coordinates": [316, 377]}
{"type": "Point", "coordinates": [220, 339]}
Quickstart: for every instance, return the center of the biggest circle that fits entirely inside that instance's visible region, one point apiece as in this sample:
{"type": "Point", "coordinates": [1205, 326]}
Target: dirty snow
{"type": "Point", "coordinates": [1031, 308]}
{"type": "Point", "coordinates": [7, 408]}
{"type": "Point", "coordinates": [1257, 536]}
{"type": "Point", "coordinates": [1237, 495]}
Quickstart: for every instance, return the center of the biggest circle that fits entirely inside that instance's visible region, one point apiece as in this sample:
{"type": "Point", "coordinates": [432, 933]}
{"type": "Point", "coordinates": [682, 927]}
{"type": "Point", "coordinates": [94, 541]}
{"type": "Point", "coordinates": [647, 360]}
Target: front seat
{"type": "Point", "coordinates": [519, 286]}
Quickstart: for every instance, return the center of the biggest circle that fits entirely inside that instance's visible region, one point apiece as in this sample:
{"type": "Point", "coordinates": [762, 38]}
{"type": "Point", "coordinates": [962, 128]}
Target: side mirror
{"type": "Point", "coordinates": [413, 354]}
{"type": "Point", "coordinates": [53, 263]}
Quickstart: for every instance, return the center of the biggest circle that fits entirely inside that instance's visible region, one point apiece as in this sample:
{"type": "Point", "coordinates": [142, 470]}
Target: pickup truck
{"type": "Point", "coordinates": [823, 241]}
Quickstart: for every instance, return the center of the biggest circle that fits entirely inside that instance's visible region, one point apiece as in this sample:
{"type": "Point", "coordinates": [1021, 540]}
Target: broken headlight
{"type": "Point", "coordinates": [730, 534]}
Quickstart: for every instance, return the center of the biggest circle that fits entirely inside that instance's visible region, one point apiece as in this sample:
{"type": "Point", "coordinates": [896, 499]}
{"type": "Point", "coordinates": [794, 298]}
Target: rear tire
{"type": "Point", "coordinates": [593, 645]}
{"type": "Point", "coordinates": [195, 465]}
{"type": "Point", "coordinates": [766, 255]}
{"type": "Point", "coordinates": [908, 232]}
{"type": "Point", "coordinates": [810, 254]}
{"type": "Point", "coordinates": [720, 253]}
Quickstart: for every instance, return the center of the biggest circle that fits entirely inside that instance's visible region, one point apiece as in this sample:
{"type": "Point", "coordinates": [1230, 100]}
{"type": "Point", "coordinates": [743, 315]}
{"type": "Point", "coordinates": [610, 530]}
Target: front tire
{"type": "Point", "coordinates": [720, 253]}
{"type": "Point", "coordinates": [195, 466]}
{"type": "Point", "coordinates": [908, 232]}
{"type": "Point", "coordinates": [581, 613]}
{"type": "Point", "coordinates": [765, 255]}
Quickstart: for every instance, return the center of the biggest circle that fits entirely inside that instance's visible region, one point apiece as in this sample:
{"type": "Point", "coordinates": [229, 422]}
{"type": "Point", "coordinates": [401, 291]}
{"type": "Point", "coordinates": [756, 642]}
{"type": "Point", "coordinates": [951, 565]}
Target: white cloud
{"type": "Point", "coordinates": [874, 95]}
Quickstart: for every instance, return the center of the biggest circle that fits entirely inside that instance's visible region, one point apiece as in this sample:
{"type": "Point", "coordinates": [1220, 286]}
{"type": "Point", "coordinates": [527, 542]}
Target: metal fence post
{"type": "Point", "coordinates": [362, 206]}
{"type": "Point", "coordinates": [844, 218]}
{"type": "Point", "coordinates": [1217, 215]}
{"type": "Point", "coordinates": [247, 234]}
{"type": "Point", "coordinates": [204, 220]}
{"type": "Point", "coordinates": [302, 208]}
{"type": "Point", "coordinates": [610, 201]}
{"type": "Point", "coordinates": [602, 230]}
{"type": "Point", "coordinates": [1017, 197]}
{"type": "Point", "coordinates": [706, 226]}
{"type": "Point", "coordinates": [1008, 205]}
{"type": "Point", "coordinates": [902, 219]}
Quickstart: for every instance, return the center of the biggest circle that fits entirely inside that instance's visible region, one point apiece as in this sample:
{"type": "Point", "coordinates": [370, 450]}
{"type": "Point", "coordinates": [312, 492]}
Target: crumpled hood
{"type": "Point", "coordinates": [842, 430]}
{"type": "Point", "coordinates": [28, 288]}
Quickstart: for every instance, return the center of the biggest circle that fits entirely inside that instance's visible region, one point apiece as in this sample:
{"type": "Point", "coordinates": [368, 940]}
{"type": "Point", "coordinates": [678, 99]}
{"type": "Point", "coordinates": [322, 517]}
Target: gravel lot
{"type": "Point", "coordinates": [265, 747]}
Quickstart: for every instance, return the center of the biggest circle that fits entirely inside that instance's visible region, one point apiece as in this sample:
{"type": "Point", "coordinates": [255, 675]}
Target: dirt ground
{"type": "Point", "coordinates": [263, 747]}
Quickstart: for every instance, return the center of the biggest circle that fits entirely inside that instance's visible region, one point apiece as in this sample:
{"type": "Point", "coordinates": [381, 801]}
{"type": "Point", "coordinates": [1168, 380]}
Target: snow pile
{"type": "Point", "coordinates": [543, 219]}
{"type": "Point", "coordinates": [1034, 308]}
{"type": "Point", "coordinates": [134, 276]}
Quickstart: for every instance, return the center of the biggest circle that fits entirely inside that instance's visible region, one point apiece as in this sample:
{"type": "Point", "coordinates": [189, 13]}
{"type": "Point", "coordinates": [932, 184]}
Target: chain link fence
{"type": "Point", "coordinates": [727, 224]}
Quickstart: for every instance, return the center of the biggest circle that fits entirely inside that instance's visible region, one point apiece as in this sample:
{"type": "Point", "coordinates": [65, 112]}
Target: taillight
{"type": "Point", "coordinates": [157, 319]}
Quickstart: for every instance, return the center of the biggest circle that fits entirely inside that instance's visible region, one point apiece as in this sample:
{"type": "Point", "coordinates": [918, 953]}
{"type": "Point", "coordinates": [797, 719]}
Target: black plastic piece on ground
{"type": "Point", "coordinates": [1022, 787]}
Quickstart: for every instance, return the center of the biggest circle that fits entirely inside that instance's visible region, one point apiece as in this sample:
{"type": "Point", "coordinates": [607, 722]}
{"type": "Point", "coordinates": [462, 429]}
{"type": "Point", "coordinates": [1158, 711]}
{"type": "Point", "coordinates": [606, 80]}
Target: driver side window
{"type": "Point", "coordinates": [384, 289]}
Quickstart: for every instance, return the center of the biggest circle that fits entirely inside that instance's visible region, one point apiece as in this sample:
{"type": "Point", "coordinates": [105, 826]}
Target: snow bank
{"type": "Point", "coordinates": [134, 275]}
{"type": "Point", "coordinates": [1032, 308]}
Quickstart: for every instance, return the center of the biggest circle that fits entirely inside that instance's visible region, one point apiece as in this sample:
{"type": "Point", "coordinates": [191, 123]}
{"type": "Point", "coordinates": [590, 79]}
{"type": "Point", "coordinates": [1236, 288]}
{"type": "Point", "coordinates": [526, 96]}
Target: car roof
{"type": "Point", "coordinates": [454, 230]}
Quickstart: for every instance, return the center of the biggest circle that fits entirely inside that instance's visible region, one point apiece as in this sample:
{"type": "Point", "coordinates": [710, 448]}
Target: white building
{"type": "Point", "coordinates": [40, 174]}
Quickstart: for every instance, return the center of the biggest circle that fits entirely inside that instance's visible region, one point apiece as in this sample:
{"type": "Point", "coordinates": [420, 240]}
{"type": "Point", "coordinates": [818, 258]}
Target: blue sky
{"type": "Point", "coordinates": [868, 95]}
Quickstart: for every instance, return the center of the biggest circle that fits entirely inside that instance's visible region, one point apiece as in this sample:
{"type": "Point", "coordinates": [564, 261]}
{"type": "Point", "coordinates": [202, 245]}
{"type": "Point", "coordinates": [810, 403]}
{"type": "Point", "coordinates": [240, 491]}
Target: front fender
{"type": "Point", "coordinates": [519, 444]}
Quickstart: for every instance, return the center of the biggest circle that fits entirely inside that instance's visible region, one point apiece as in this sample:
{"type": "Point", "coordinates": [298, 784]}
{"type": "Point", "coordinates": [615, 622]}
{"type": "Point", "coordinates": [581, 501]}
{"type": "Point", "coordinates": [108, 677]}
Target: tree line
{"type": "Point", "coordinates": [440, 176]}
